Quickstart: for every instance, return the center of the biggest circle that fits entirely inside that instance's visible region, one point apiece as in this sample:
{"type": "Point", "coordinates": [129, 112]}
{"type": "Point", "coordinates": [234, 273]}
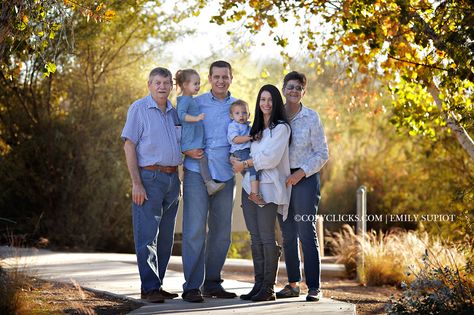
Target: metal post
{"type": "Point", "coordinates": [320, 231]}
{"type": "Point", "coordinates": [361, 228]}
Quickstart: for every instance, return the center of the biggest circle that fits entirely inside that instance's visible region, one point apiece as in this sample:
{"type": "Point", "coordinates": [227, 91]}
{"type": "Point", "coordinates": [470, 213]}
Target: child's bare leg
{"type": "Point", "coordinates": [255, 195]}
{"type": "Point", "coordinates": [254, 186]}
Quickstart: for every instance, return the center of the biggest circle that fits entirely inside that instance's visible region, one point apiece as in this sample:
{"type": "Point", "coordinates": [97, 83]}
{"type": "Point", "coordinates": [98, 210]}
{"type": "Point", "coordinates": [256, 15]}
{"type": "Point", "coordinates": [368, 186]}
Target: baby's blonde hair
{"type": "Point", "coordinates": [238, 103]}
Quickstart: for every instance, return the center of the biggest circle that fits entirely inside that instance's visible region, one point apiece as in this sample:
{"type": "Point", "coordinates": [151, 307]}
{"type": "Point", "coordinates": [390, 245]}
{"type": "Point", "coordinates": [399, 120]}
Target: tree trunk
{"type": "Point", "coordinates": [461, 134]}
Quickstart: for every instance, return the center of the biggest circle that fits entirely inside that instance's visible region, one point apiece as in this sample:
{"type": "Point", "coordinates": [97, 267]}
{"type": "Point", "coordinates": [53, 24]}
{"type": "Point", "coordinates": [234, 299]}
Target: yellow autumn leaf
{"type": "Point", "coordinates": [109, 14]}
{"type": "Point", "coordinates": [440, 53]}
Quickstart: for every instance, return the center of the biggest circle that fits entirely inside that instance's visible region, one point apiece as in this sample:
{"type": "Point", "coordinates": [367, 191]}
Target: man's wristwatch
{"type": "Point", "coordinates": [246, 165]}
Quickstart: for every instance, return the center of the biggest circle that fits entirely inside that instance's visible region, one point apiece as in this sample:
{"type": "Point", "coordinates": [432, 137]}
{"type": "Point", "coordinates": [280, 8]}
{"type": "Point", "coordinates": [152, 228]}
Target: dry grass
{"type": "Point", "coordinates": [15, 287]}
{"type": "Point", "coordinates": [345, 245]}
{"type": "Point", "coordinates": [394, 257]}
{"type": "Point", "coordinates": [10, 293]}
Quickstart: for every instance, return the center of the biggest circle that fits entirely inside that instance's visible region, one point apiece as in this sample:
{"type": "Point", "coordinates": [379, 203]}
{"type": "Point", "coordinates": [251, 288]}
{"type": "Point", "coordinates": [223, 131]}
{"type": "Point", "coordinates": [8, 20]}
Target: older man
{"type": "Point", "coordinates": [153, 154]}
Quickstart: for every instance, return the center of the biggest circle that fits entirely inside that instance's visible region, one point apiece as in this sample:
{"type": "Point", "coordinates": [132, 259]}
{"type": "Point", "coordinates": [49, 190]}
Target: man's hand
{"type": "Point", "coordinates": [294, 178]}
{"type": "Point", "coordinates": [195, 153]}
{"type": "Point", "coordinates": [139, 194]}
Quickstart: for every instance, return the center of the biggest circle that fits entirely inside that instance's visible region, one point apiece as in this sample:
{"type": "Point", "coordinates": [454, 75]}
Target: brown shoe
{"type": "Point", "coordinates": [153, 297]}
{"type": "Point", "coordinates": [168, 295]}
{"type": "Point", "coordinates": [257, 199]}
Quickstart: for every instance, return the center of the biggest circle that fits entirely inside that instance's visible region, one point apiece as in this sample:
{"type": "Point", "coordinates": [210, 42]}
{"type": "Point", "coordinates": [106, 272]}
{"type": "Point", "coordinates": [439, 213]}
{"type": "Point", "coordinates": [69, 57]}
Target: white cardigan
{"type": "Point", "coordinates": [270, 155]}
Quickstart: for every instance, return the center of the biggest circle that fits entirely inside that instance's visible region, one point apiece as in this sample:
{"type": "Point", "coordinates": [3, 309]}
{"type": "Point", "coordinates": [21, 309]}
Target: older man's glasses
{"type": "Point", "coordinates": [292, 87]}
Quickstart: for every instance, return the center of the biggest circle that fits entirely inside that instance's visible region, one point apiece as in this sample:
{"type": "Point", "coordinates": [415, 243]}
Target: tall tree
{"type": "Point", "coordinates": [424, 49]}
{"type": "Point", "coordinates": [60, 153]}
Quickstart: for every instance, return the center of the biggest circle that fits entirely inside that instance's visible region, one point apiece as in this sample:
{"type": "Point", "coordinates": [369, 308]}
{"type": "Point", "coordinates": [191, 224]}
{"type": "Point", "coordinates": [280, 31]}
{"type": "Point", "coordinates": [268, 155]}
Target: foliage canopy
{"type": "Point", "coordinates": [423, 49]}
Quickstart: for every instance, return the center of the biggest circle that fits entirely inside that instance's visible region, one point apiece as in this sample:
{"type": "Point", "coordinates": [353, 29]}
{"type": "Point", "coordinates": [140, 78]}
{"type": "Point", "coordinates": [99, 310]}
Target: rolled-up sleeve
{"type": "Point", "coordinates": [274, 147]}
{"type": "Point", "coordinates": [133, 128]}
{"type": "Point", "coordinates": [319, 149]}
{"type": "Point", "coordinates": [232, 132]}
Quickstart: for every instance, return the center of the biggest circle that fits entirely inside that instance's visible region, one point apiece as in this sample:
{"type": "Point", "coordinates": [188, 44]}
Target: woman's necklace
{"type": "Point", "coordinates": [293, 115]}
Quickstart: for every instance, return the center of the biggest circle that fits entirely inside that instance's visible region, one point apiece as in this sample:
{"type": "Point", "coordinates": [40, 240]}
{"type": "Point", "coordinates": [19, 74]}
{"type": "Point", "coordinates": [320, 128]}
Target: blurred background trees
{"type": "Point", "coordinates": [71, 69]}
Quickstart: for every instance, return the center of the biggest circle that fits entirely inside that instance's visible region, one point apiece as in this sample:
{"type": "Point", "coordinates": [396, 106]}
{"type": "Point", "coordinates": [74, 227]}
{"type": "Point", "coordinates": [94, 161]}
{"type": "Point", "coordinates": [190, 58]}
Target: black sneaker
{"type": "Point", "coordinates": [288, 292]}
{"type": "Point", "coordinates": [193, 296]}
{"type": "Point", "coordinates": [220, 294]}
{"type": "Point", "coordinates": [314, 295]}
{"type": "Point", "coordinates": [168, 295]}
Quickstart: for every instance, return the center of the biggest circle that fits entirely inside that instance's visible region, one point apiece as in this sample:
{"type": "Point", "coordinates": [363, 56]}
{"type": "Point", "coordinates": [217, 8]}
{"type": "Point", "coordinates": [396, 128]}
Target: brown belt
{"type": "Point", "coordinates": [164, 169]}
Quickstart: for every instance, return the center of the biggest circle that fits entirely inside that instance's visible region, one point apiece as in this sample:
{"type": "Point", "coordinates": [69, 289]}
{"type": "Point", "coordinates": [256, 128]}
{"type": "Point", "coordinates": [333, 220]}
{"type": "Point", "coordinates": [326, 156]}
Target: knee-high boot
{"type": "Point", "coordinates": [272, 255]}
{"type": "Point", "coordinates": [258, 269]}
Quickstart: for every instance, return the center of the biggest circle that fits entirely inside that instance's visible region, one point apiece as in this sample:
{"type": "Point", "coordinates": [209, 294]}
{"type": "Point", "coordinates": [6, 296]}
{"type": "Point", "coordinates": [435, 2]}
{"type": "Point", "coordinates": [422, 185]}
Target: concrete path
{"type": "Point", "coordinates": [117, 274]}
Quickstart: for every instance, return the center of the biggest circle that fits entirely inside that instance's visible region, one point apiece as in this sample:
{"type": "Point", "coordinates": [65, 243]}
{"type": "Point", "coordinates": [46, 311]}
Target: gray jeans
{"type": "Point", "coordinates": [259, 221]}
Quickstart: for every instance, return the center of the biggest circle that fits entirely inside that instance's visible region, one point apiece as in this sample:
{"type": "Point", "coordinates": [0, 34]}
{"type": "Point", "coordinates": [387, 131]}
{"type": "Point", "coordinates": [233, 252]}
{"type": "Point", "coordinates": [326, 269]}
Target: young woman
{"type": "Point", "coordinates": [270, 156]}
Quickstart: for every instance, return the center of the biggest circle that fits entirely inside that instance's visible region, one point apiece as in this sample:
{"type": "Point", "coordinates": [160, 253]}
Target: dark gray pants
{"type": "Point", "coordinates": [259, 221]}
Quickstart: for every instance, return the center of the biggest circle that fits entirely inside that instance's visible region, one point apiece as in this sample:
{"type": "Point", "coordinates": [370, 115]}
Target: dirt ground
{"type": "Point", "coordinates": [46, 297]}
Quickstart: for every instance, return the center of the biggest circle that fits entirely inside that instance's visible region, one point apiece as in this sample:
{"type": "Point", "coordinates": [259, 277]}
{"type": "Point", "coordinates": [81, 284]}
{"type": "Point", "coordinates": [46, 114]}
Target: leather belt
{"type": "Point", "coordinates": [163, 169]}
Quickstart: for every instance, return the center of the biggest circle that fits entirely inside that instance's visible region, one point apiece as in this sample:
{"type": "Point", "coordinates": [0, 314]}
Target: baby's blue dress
{"type": "Point", "coordinates": [192, 135]}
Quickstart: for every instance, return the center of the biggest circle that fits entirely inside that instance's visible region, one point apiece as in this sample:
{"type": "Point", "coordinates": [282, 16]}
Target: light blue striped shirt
{"type": "Point", "coordinates": [215, 133]}
{"type": "Point", "coordinates": [308, 148]}
{"type": "Point", "coordinates": [155, 134]}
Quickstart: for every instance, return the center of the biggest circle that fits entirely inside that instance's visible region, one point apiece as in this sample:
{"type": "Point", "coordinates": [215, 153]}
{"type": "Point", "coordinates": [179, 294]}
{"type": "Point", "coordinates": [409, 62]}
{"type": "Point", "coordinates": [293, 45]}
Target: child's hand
{"type": "Point", "coordinates": [257, 136]}
{"type": "Point", "coordinates": [201, 116]}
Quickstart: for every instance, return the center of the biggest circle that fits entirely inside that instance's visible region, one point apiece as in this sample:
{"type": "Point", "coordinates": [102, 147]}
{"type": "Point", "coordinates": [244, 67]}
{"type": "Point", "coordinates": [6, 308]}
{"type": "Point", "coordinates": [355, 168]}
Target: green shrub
{"type": "Point", "coordinates": [240, 246]}
{"type": "Point", "coordinates": [437, 289]}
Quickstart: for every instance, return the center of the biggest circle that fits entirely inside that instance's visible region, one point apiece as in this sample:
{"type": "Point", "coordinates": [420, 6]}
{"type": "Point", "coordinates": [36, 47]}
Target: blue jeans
{"type": "Point", "coordinates": [204, 253]}
{"type": "Point", "coordinates": [305, 198]}
{"type": "Point", "coordinates": [153, 226]}
{"type": "Point", "coordinates": [244, 155]}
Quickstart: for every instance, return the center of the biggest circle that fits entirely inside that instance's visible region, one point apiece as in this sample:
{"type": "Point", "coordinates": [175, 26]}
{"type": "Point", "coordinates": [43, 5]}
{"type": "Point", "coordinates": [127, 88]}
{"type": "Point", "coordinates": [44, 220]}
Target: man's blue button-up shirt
{"type": "Point", "coordinates": [155, 134]}
{"type": "Point", "coordinates": [217, 147]}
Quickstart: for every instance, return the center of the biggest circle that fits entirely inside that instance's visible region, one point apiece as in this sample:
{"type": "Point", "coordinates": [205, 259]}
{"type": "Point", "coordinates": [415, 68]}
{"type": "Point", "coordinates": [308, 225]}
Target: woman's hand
{"type": "Point", "coordinates": [237, 166]}
{"type": "Point", "coordinates": [294, 178]}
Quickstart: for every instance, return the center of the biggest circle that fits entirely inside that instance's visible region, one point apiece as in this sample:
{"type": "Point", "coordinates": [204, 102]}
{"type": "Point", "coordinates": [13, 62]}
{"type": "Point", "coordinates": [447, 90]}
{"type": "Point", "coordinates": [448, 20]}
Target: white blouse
{"type": "Point", "coordinates": [270, 155]}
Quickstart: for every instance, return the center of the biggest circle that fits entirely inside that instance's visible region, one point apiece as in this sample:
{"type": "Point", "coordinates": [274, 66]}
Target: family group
{"type": "Point", "coordinates": [279, 155]}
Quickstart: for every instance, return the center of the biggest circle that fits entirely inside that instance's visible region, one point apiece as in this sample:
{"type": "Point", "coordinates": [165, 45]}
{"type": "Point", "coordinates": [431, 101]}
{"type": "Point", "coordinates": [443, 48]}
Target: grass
{"type": "Point", "coordinates": [393, 257]}
{"type": "Point", "coordinates": [18, 295]}
{"type": "Point", "coordinates": [11, 284]}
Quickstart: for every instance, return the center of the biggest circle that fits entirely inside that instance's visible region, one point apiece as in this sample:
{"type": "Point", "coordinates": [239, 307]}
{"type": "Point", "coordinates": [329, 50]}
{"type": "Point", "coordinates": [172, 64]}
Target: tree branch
{"type": "Point", "coordinates": [461, 134]}
{"type": "Point", "coordinates": [417, 63]}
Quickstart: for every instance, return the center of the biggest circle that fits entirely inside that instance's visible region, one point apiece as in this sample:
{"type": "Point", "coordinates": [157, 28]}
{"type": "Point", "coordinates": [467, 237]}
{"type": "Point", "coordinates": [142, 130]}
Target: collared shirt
{"type": "Point", "coordinates": [270, 156]}
{"type": "Point", "coordinates": [215, 133]}
{"type": "Point", "coordinates": [155, 134]}
{"type": "Point", "coordinates": [308, 148]}
{"type": "Point", "coordinates": [237, 129]}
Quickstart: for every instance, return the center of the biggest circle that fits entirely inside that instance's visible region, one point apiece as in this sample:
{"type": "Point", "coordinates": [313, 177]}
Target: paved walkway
{"type": "Point", "coordinates": [117, 274]}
